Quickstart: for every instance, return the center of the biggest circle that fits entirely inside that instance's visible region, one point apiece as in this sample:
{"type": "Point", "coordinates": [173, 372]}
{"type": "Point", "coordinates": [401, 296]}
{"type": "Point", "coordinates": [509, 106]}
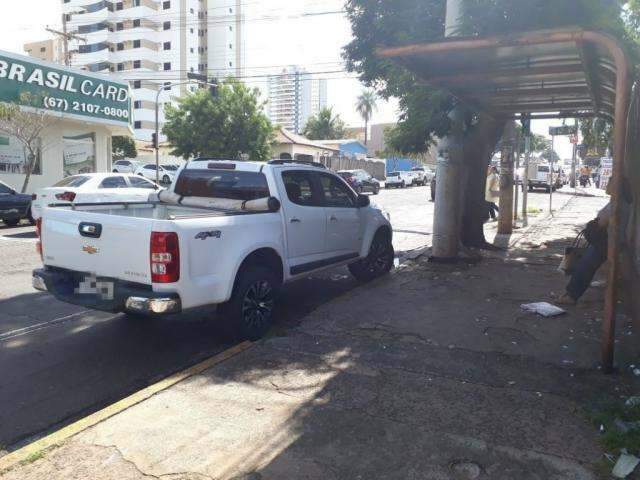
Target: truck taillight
{"type": "Point", "coordinates": [165, 257]}
{"type": "Point", "coordinates": [34, 197]}
{"type": "Point", "coordinates": [39, 234]}
{"type": "Point", "coordinates": [66, 196]}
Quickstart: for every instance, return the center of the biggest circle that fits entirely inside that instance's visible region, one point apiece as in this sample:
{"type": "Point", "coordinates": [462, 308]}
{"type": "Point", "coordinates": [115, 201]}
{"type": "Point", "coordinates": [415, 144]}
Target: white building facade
{"type": "Point", "coordinates": [294, 97]}
{"type": "Point", "coordinates": [154, 43]}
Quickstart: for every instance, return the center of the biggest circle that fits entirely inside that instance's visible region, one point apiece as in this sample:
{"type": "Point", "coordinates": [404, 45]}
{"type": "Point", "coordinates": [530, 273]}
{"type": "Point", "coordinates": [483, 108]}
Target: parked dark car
{"type": "Point", "coordinates": [14, 206]}
{"type": "Point", "coordinates": [361, 181]}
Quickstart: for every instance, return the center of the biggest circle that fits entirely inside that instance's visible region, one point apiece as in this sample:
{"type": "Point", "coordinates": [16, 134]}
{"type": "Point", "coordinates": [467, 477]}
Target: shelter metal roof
{"type": "Point", "coordinates": [566, 73]}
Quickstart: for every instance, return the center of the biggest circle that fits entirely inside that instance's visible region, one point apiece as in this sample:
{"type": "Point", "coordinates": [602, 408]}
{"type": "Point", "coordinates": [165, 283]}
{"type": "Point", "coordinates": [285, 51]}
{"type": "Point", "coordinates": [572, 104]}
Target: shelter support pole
{"type": "Point", "coordinates": [623, 92]}
{"type": "Point", "coordinates": [505, 221]}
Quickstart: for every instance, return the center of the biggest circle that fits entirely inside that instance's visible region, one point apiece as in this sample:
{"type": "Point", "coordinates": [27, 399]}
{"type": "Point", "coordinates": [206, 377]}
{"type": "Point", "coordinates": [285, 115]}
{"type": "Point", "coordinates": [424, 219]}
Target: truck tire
{"type": "Point", "coordinates": [166, 180]}
{"type": "Point", "coordinates": [379, 262]}
{"type": "Point", "coordinates": [250, 309]}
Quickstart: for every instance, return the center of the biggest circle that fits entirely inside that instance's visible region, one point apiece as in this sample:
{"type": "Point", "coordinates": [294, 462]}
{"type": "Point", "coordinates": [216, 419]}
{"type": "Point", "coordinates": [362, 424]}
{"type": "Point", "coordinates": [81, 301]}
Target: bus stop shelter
{"type": "Point", "coordinates": [539, 75]}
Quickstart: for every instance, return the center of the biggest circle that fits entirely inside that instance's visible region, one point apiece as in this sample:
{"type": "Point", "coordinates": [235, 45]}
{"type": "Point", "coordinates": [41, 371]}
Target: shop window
{"type": "Point", "coordinates": [137, 124]}
{"type": "Point", "coordinates": [14, 156]}
{"type": "Point", "coordinates": [79, 153]}
{"type": "Point", "coordinates": [166, 25]}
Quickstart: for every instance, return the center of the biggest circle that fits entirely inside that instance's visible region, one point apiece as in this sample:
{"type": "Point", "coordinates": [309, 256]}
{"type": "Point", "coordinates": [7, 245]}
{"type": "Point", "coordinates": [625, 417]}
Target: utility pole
{"type": "Point", "coordinates": [526, 128]}
{"type": "Point", "coordinates": [516, 172]}
{"type": "Point", "coordinates": [551, 181]}
{"type": "Point", "coordinates": [448, 208]}
{"type": "Point", "coordinates": [66, 36]}
{"type": "Point", "coordinates": [505, 220]}
{"type": "Point", "coordinates": [574, 157]}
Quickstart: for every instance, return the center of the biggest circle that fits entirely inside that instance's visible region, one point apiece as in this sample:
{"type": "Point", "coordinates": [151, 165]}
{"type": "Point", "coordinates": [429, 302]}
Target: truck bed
{"type": "Point", "coordinates": [153, 211]}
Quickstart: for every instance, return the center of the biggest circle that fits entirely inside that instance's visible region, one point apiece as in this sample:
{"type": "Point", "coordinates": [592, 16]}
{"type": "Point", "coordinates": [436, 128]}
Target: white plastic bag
{"type": "Point", "coordinates": [543, 308]}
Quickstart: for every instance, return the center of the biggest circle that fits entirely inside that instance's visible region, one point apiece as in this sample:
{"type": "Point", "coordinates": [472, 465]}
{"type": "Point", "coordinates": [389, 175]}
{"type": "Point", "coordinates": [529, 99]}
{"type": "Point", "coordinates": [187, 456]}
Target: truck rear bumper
{"type": "Point", "coordinates": [106, 294]}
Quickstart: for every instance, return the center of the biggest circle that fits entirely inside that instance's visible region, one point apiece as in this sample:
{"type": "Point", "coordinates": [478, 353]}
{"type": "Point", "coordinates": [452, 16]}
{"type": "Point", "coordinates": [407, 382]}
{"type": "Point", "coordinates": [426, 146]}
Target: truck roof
{"type": "Point", "coordinates": [250, 166]}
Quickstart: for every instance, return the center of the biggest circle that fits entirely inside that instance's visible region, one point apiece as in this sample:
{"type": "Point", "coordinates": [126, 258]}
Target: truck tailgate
{"type": "Point", "coordinates": [106, 245]}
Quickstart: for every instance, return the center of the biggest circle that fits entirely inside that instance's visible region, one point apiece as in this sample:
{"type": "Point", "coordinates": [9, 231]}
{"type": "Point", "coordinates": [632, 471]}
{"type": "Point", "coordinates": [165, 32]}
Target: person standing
{"type": "Point", "coordinates": [492, 192]}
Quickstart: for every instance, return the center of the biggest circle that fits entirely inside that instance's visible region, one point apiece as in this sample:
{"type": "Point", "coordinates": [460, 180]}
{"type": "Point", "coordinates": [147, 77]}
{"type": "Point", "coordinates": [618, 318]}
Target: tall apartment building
{"type": "Point", "coordinates": [50, 50]}
{"type": "Point", "coordinates": [294, 96]}
{"type": "Point", "coordinates": [151, 43]}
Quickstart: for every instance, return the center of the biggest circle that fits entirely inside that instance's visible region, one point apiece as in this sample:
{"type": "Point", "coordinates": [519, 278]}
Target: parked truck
{"type": "Point", "coordinates": [226, 233]}
{"type": "Point", "coordinates": [540, 176]}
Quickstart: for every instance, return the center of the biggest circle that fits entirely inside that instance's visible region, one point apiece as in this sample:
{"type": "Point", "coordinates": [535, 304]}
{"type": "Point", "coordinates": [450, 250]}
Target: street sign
{"type": "Point", "coordinates": [32, 83]}
{"type": "Point", "coordinates": [563, 130]}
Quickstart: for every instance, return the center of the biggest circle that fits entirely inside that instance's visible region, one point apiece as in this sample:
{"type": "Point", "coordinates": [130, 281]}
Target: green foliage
{"type": "Point", "coordinates": [597, 134]}
{"type": "Point", "coordinates": [224, 127]}
{"type": "Point", "coordinates": [123, 147]}
{"type": "Point", "coordinates": [324, 126]}
{"type": "Point", "coordinates": [614, 438]}
{"type": "Point", "coordinates": [550, 155]}
{"type": "Point", "coordinates": [366, 104]}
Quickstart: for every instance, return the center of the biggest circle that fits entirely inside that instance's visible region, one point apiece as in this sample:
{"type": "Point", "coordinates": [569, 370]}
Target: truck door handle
{"type": "Point", "coordinates": [296, 220]}
{"type": "Point", "coordinates": [333, 218]}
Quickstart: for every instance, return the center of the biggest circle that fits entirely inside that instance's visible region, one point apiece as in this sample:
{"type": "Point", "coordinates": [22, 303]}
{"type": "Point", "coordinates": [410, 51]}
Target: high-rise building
{"type": "Point", "coordinates": [46, 50]}
{"type": "Point", "coordinates": [294, 96]}
{"type": "Point", "coordinates": [151, 43]}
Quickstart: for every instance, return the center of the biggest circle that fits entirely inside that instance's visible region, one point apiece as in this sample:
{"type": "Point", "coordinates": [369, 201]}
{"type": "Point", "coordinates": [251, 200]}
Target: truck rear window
{"type": "Point", "coordinates": [229, 184]}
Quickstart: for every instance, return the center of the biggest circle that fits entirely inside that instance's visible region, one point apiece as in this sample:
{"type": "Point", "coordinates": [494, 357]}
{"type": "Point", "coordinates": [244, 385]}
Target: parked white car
{"type": "Point", "coordinates": [399, 179]}
{"type": "Point", "coordinates": [422, 176]}
{"type": "Point", "coordinates": [93, 188]}
{"type": "Point", "coordinates": [226, 232]}
{"type": "Point", "coordinates": [167, 173]}
{"type": "Point", "coordinates": [125, 166]}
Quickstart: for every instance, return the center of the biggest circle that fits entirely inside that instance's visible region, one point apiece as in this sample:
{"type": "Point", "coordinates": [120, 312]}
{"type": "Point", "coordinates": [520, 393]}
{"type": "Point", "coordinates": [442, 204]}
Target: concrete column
{"type": "Point", "coordinates": [449, 171]}
{"type": "Point", "coordinates": [505, 222]}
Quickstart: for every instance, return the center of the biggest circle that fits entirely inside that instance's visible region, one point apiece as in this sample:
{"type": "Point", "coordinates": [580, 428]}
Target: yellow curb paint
{"type": "Point", "coordinates": [56, 438]}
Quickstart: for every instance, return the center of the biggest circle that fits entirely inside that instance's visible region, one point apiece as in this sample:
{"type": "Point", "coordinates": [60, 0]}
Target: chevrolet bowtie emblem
{"type": "Point", "coordinates": [90, 249]}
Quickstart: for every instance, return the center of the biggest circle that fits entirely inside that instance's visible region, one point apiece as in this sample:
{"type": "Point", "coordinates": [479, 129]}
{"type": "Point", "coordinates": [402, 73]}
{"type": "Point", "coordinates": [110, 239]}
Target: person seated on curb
{"type": "Point", "coordinates": [597, 235]}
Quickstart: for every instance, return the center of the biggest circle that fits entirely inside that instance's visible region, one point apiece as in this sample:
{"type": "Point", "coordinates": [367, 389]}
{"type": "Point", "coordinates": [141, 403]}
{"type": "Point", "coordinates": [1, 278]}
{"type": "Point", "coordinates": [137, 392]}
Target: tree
{"type": "Point", "coordinates": [324, 126]}
{"type": "Point", "coordinates": [423, 109]}
{"type": "Point", "coordinates": [365, 106]}
{"type": "Point", "coordinates": [227, 126]}
{"type": "Point", "coordinates": [123, 147]}
{"type": "Point", "coordinates": [27, 127]}
{"type": "Point", "coordinates": [550, 155]}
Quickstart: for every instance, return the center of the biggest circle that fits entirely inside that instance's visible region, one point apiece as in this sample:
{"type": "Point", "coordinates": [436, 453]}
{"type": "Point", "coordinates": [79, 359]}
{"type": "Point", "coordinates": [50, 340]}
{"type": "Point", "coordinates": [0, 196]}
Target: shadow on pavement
{"type": "Point", "coordinates": [61, 362]}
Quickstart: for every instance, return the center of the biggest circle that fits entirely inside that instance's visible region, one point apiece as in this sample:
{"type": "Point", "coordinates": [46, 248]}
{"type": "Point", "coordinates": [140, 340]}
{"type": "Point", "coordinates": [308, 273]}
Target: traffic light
{"type": "Point", "coordinates": [154, 140]}
{"type": "Point", "coordinates": [526, 125]}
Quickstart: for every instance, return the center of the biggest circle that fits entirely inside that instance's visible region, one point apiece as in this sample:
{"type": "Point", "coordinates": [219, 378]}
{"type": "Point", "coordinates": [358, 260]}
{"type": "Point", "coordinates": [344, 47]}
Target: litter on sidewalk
{"type": "Point", "coordinates": [543, 308]}
{"type": "Point", "coordinates": [625, 465]}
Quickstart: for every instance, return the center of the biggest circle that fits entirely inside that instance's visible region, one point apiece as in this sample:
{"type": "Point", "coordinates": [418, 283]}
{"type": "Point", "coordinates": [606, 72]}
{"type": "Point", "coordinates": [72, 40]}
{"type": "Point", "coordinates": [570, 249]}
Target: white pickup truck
{"type": "Point", "coordinates": [226, 232]}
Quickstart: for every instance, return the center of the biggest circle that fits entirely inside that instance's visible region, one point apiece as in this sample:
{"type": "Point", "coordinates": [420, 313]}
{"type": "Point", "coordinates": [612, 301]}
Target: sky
{"type": "Point", "coordinates": [277, 35]}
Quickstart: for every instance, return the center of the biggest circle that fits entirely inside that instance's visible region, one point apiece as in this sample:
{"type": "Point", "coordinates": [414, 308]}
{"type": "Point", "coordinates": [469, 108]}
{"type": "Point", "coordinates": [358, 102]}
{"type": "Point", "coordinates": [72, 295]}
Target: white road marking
{"type": "Point", "coordinates": [34, 328]}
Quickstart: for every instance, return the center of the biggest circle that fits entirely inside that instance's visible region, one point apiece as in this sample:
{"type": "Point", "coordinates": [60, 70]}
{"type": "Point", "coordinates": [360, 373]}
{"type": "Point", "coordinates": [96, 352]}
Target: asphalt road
{"type": "Point", "coordinates": [60, 362]}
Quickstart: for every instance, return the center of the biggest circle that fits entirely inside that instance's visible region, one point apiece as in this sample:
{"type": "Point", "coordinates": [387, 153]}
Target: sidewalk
{"type": "Point", "coordinates": [432, 373]}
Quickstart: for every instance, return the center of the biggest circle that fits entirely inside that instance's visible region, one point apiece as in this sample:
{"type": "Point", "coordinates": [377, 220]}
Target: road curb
{"type": "Point", "coordinates": [32, 450]}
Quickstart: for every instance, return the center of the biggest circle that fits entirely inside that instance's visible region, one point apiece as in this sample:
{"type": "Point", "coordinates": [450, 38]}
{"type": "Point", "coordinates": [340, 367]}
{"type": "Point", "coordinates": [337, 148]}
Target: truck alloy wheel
{"type": "Point", "coordinates": [378, 262]}
{"type": "Point", "coordinates": [257, 305]}
{"type": "Point", "coordinates": [250, 308]}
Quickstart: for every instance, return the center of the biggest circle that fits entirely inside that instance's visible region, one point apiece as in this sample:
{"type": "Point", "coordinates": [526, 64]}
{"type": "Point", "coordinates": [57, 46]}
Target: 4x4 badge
{"type": "Point", "coordinates": [211, 234]}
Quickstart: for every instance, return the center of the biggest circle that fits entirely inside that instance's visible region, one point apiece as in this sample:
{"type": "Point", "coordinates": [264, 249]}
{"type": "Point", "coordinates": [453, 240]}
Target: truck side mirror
{"type": "Point", "coordinates": [363, 201]}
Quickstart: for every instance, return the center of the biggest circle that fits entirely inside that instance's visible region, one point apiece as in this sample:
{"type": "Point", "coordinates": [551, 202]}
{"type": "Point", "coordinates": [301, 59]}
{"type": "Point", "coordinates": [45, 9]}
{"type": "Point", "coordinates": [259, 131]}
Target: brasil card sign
{"type": "Point", "coordinates": [33, 83]}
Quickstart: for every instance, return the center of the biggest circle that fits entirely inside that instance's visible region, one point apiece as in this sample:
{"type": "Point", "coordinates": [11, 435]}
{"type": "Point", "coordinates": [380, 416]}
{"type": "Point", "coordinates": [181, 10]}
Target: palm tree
{"type": "Point", "coordinates": [365, 106]}
{"type": "Point", "coordinates": [324, 126]}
